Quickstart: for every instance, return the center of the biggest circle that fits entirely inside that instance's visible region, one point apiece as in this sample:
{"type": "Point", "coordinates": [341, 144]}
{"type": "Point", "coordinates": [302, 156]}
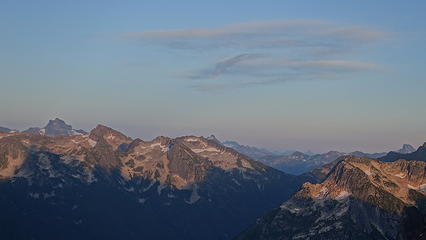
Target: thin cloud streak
{"type": "Point", "coordinates": [261, 66]}
{"type": "Point", "coordinates": [290, 50]}
{"type": "Point", "coordinates": [272, 34]}
{"type": "Point", "coordinates": [224, 66]}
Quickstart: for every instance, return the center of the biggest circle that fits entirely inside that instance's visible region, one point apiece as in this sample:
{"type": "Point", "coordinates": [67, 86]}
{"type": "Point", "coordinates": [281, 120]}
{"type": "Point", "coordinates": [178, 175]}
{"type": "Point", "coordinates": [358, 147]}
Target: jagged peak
{"type": "Point", "coordinates": [57, 121]}
{"type": "Point", "coordinates": [406, 148]}
{"type": "Point", "coordinates": [213, 138]}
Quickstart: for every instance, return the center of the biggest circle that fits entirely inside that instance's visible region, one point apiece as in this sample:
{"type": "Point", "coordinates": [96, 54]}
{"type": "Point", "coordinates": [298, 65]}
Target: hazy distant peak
{"type": "Point", "coordinates": [406, 148]}
{"type": "Point", "coordinates": [56, 127]}
{"type": "Point", "coordinates": [4, 129]}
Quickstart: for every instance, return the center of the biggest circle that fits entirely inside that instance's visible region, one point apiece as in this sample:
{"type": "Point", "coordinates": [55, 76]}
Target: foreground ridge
{"type": "Point", "coordinates": [360, 198]}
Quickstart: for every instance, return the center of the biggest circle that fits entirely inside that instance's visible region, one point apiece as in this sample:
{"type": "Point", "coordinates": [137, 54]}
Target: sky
{"type": "Point", "coordinates": [300, 75]}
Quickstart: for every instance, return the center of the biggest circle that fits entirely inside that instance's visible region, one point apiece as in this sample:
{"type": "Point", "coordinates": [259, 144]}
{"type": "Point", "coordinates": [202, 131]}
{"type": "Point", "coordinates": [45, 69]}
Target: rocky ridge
{"type": "Point", "coordinates": [360, 198]}
{"type": "Point", "coordinates": [151, 183]}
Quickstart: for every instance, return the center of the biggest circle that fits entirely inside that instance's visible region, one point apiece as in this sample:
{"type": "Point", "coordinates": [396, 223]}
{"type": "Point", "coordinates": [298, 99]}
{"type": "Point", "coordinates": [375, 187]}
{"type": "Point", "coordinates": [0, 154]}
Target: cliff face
{"type": "Point", "coordinates": [361, 198]}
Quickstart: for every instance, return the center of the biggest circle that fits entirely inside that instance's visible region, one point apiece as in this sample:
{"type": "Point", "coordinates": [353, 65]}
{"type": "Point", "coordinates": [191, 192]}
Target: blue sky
{"type": "Point", "coordinates": [308, 75]}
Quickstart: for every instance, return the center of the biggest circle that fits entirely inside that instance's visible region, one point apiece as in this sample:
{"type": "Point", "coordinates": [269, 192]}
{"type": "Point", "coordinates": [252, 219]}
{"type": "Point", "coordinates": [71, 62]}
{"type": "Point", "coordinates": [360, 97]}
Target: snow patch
{"type": "Point", "coordinates": [90, 178]}
{"type": "Point", "coordinates": [400, 175]}
{"type": "Point", "coordinates": [160, 188]}
{"type": "Point", "coordinates": [192, 140]}
{"type": "Point", "coordinates": [170, 195]}
{"type": "Point", "coordinates": [236, 182]}
{"type": "Point", "coordinates": [110, 137]}
{"type": "Point", "coordinates": [289, 207]}
{"type": "Point", "coordinates": [194, 195]}
{"type": "Point", "coordinates": [210, 149]}
{"type": "Point", "coordinates": [75, 133]}
{"type": "Point", "coordinates": [49, 195]}
{"type": "Point", "coordinates": [91, 142]}
{"type": "Point", "coordinates": [367, 171]}
{"type": "Point", "coordinates": [342, 195]}
{"type": "Point", "coordinates": [163, 148]}
{"type": "Point", "coordinates": [149, 186]}
{"type": "Point", "coordinates": [35, 195]}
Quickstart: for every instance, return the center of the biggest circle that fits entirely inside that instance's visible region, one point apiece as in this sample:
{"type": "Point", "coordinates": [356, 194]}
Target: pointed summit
{"type": "Point", "coordinates": [57, 127]}
{"type": "Point", "coordinates": [214, 139]}
{"type": "Point", "coordinates": [406, 148]}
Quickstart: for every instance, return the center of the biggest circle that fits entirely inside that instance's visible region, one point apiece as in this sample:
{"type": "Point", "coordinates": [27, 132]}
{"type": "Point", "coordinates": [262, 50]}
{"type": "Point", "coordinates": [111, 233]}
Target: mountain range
{"type": "Point", "coordinates": [105, 185]}
{"type": "Point", "coordinates": [296, 162]}
{"type": "Point", "coordinates": [62, 183]}
{"type": "Point", "coordinates": [3, 129]}
{"type": "Point", "coordinates": [256, 152]}
{"type": "Point", "coordinates": [419, 155]}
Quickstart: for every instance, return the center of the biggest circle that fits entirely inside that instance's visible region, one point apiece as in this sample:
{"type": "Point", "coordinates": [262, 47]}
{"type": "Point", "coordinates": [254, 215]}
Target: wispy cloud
{"type": "Point", "coordinates": [267, 71]}
{"type": "Point", "coordinates": [285, 51]}
{"type": "Point", "coordinates": [273, 34]}
{"type": "Point", "coordinates": [226, 66]}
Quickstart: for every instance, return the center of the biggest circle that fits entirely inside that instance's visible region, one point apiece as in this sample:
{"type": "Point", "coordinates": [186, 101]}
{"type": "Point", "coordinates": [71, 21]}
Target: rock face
{"type": "Point", "coordinates": [55, 127]}
{"type": "Point", "coordinates": [105, 185]}
{"type": "Point", "coordinates": [361, 198]}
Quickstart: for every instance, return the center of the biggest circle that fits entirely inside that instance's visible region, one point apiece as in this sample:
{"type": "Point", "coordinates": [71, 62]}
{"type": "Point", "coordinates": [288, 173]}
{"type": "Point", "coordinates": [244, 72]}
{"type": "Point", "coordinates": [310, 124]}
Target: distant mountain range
{"type": "Point", "coordinates": [295, 162]}
{"type": "Point", "coordinates": [55, 127]}
{"type": "Point", "coordinates": [3, 129]}
{"type": "Point", "coordinates": [255, 152]}
{"type": "Point", "coordinates": [360, 198]}
{"type": "Point", "coordinates": [419, 155]}
{"type": "Point", "coordinates": [105, 185]}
